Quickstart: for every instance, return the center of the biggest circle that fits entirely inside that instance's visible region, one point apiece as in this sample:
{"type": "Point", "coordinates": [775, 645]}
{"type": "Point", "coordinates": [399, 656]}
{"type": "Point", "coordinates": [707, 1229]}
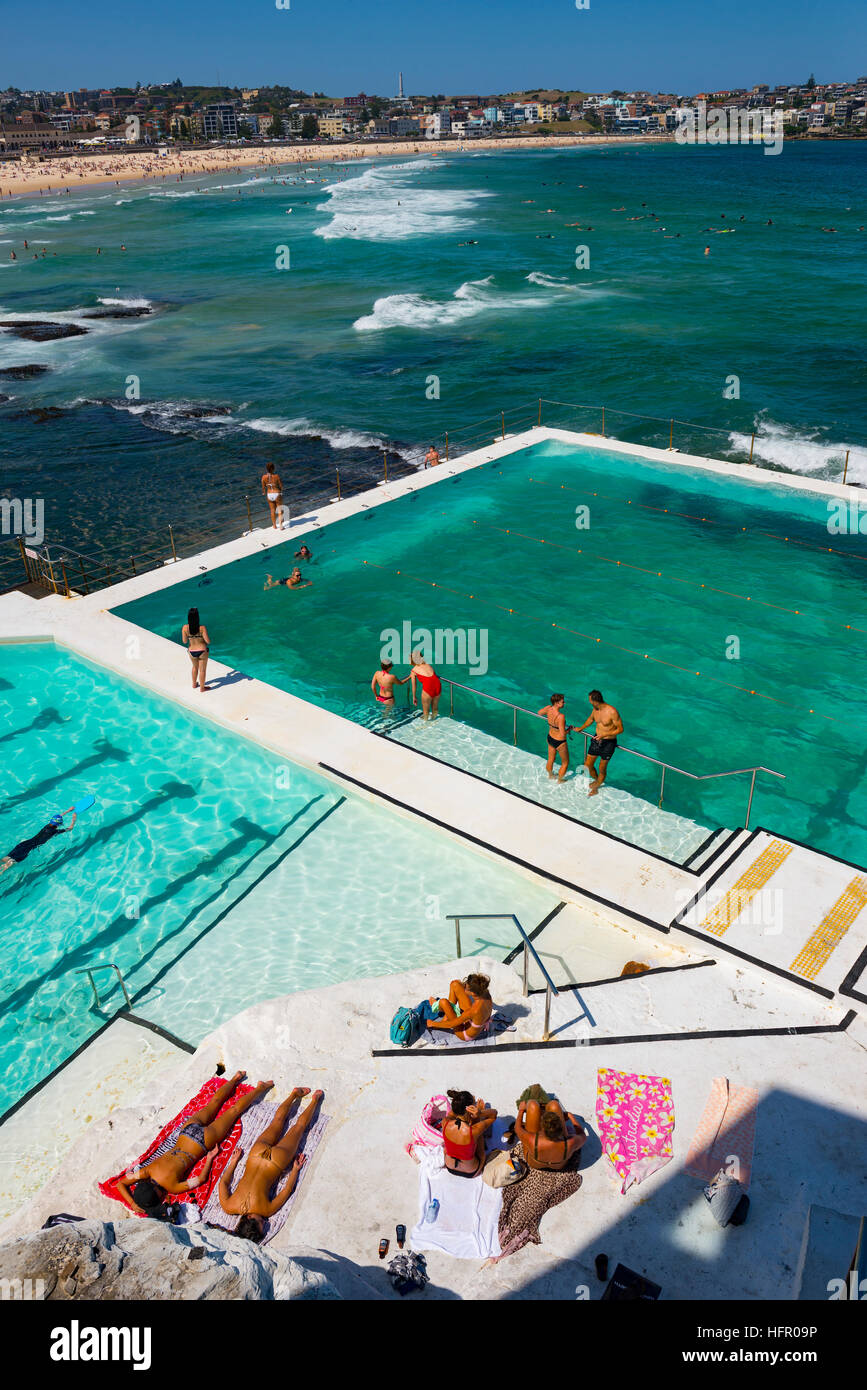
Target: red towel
{"type": "Point", "coordinates": [201, 1194]}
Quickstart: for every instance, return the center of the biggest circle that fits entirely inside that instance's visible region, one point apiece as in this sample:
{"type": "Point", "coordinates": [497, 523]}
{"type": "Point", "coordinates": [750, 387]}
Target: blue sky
{"type": "Point", "coordinates": [450, 46]}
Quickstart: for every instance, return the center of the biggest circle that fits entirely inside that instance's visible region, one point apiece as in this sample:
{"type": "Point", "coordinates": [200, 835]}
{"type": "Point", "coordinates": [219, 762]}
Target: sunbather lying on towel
{"type": "Point", "coordinates": [270, 1156]}
{"type": "Point", "coordinates": [464, 1130]}
{"type": "Point", "coordinates": [144, 1188]}
{"type": "Point", "coordinates": [467, 1010]}
{"type": "Point", "coordinates": [549, 1136]}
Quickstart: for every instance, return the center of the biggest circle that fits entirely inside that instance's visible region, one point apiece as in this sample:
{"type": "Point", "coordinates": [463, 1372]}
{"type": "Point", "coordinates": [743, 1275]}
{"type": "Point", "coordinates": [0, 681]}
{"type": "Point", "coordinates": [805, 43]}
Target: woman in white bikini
{"type": "Point", "coordinates": [272, 489]}
{"type": "Point", "coordinates": [194, 635]}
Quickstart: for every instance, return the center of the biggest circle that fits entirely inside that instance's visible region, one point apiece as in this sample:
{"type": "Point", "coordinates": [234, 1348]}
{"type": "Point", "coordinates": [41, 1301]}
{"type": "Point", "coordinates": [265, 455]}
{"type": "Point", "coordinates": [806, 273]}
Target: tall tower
{"type": "Point", "coordinates": [400, 89]}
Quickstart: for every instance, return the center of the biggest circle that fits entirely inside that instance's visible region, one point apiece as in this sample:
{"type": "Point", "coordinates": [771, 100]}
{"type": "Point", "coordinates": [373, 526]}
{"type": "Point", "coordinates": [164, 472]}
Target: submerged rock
{"type": "Point", "coordinates": [22, 373]}
{"type": "Point", "coordinates": [41, 330]}
{"type": "Point", "coordinates": [149, 1259]}
{"type": "Point", "coordinates": [122, 311]}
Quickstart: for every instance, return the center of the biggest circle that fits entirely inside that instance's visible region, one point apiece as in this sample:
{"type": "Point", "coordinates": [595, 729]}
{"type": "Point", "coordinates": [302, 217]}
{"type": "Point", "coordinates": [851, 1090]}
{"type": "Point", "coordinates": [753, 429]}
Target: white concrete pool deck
{"type": "Point", "coordinates": [811, 1109]}
{"type": "Point", "coordinates": [809, 1132]}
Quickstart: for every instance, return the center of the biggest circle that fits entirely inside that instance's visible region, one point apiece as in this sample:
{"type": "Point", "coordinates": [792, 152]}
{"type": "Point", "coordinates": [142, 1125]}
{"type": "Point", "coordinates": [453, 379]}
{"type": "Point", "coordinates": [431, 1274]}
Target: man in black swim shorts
{"type": "Point", "coordinates": [604, 742]}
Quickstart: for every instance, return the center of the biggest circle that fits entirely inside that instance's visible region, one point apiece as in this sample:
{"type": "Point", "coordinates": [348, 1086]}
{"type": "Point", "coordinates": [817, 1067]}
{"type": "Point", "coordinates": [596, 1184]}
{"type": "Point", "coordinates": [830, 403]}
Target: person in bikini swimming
{"type": "Point", "coordinates": [168, 1170]}
{"type": "Point", "coordinates": [604, 742]}
{"type": "Point", "coordinates": [271, 1156]}
{"type": "Point", "coordinates": [464, 1130]}
{"type": "Point", "coordinates": [557, 732]}
{"type": "Point", "coordinates": [293, 581]}
{"type": "Point", "coordinates": [468, 1009]}
{"type": "Point", "coordinates": [272, 491]}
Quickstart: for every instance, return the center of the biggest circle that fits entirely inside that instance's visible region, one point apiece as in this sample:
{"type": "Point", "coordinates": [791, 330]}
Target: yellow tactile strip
{"type": "Point", "coordinates": [821, 944]}
{"type": "Point", "coordinates": [741, 894]}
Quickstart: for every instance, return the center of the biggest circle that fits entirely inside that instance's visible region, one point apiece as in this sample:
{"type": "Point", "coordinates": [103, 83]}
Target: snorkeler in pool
{"type": "Point", "coordinates": [54, 827]}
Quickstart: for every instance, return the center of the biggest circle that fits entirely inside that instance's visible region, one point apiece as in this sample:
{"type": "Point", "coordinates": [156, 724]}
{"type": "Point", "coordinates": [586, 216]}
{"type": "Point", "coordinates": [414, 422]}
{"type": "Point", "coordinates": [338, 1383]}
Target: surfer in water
{"type": "Point", "coordinates": [54, 827]}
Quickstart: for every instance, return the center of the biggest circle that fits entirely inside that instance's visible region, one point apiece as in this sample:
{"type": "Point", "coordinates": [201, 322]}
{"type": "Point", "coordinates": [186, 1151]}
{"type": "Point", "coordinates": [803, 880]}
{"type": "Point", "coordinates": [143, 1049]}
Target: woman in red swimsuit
{"type": "Point", "coordinates": [431, 686]}
{"type": "Point", "coordinates": [464, 1130]}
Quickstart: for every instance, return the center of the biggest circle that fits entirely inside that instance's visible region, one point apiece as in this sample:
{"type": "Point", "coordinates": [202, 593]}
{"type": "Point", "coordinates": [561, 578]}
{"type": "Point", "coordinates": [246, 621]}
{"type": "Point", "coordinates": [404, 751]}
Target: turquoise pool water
{"type": "Point", "coordinates": [685, 593]}
{"type": "Point", "coordinates": [211, 872]}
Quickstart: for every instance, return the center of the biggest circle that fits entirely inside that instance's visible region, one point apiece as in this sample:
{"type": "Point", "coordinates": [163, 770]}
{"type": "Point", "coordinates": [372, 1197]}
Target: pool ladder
{"type": "Point", "coordinates": [90, 970]}
{"type": "Point", "coordinates": [528, 950]}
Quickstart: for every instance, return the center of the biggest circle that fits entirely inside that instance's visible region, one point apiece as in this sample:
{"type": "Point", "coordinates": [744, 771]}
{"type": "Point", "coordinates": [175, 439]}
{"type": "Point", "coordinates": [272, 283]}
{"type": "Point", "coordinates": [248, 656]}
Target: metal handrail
{"type": "Point", "coordinates": [529, 949]}
{"type": "Point", "coordinates": [109, 965]}
{"type": "Point", "coordinates": [647, 757]}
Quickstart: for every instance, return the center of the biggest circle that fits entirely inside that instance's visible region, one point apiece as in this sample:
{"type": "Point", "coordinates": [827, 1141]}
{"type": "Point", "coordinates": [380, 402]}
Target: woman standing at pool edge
{"type": "Point", "coordinates": [431, 686]}
{"type": "Point", "coordinates": [194, 635]}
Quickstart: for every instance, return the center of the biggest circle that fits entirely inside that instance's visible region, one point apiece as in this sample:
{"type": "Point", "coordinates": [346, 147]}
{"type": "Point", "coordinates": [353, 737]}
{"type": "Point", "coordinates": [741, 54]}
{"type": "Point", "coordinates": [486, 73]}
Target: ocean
{"type": "Point", "coordinates": [319, 317]}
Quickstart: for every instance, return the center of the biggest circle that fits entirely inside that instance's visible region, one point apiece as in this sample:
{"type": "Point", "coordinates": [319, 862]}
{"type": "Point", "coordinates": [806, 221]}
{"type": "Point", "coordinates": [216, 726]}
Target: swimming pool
{"type": "Point", "coordinates": [717, 613]}
{"type": "Point", "coordinates": [212, 872]}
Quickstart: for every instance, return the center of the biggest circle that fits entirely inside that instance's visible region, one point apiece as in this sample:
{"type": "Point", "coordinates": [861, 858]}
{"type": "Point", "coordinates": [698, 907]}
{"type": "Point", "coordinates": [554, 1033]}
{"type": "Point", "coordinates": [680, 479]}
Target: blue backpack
{"type": "Point", "coordinates": [406, 1027]}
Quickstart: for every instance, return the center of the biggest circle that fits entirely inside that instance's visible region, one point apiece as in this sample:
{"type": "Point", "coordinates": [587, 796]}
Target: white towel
{"type": "Point", "coordinates": [469, 1214]}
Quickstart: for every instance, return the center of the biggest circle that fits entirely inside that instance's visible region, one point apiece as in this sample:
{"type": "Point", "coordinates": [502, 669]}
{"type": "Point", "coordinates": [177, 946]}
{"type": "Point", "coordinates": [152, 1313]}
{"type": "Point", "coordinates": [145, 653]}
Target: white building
{"type": "Point", "coordinates": [437, 125]}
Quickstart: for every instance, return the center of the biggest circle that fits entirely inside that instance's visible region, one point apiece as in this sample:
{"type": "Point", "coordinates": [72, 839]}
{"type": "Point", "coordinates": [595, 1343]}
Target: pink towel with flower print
{"type": "Point", "coordinates": [635, 1115]}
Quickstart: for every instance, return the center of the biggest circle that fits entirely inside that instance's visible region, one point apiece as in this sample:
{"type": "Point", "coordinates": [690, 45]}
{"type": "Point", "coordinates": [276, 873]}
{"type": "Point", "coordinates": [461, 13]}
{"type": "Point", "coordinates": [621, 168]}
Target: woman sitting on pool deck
{"type": "Point", "coordinates": [176, 1157]}
{"type": "Point", "coordinates": [550, 1136]}
{"type": "Point", "coordinates": [473, 999]}
{"type": "Point", "coordinates": [464, 1130]}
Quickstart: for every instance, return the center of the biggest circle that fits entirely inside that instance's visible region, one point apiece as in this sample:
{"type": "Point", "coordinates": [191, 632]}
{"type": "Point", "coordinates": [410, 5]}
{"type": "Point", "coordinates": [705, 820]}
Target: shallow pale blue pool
{"type": "Point", "coordinates": [211, 872]}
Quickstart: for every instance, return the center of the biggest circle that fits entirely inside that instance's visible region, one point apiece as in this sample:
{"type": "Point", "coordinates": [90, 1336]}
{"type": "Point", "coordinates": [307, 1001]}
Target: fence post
{"type": "Point", "coordinates": [385, 464]}
{"type": "Point", "coordinates": [51, 574]}
{"type": "Point", "coordinates": [540, 412]}
{"type": "Point", "coordinates": [458, 936]}
{"type": "Point", "coordinates": [338, 485]}
{"type": "Point", "coordinates": [752, 446]}
{"type": "Point", "coordinates": [750, 802]}
{"type": "Point", "coordinates": [603, 422]}
{"type": "Point", "coordinates": [447, 446]}
{"type": "Point", "coordinates": [83, 575]}
{"type": "Point", "coordinates": [846, 466]}
{"type": "Point", "coordinates": [249, 513]}
{"type": "Point", "coordinates": [172, 539]}
{"type": "Point", "coordinates": [65, 578]}
{"type": "Point", "coordinates": [24, 559]}
{"type": "Point", "coordinates": [503, 415]}
{"type": "Point", "coordinates": [671, 435]}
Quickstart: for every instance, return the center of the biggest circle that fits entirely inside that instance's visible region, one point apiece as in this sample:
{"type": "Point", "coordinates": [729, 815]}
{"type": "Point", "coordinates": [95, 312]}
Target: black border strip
{"type": "Point", "coordinates": [704, 844]}
{"type": "Point", "coordinates": [721, 849]}
{"type": "Point", "coordinates": [492, 849]}
{"type": "Point", "coordinates": [802, 1030]}
{"type": "Point", "coordinates": [702, 892]}
{"type": "Point", "coordinates": [170, 965]}
{"type": "Point", "coordinates": [762, 964]}
{"type": "Point", "coordinates": [848, 985]}
{"type": "Point", "coordinates": [616, 979]}
{"type": "Point", "coordinates": [173, 1038]}
{"type": "Point", "coordinates": [61, 1066]}
{"type": "Point", "coordinates": [850, 864]}
{"type": "Point", "coordinates": [555, 912]}
{"type": "Point", "coordinates": [573, 820]}
{"type": "Point", "coordinates": [39, 1085]}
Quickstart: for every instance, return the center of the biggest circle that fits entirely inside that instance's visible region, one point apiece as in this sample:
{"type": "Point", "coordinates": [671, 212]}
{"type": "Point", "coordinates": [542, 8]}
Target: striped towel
{"type": "Point", "coordinates": [254, 1123]}
{"type": "Point", "coordinates": [726, 1133]}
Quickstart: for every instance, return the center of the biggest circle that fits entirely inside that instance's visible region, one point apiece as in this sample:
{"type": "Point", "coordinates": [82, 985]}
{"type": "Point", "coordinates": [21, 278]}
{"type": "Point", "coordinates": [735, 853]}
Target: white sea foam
{"type": "Point", "coordinates": [472, 298]}
{"type": "Point", "coordinates": [385, 204]}
{"type": "Point", "coordinates": [126, 303]}
{"type": "Point", "coordinates": [338, 437]}
{"type": "Point", "coordinates": [800, 453]}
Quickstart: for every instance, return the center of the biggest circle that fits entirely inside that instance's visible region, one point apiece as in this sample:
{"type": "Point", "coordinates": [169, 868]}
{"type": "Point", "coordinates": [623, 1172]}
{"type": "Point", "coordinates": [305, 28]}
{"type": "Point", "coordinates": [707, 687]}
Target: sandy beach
{"type": "Point", "coordinates": [60, 175]}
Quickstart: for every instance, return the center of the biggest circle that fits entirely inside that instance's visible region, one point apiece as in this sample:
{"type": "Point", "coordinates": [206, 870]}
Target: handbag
{"type": "Point", "coordinates": [505, 1168]}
